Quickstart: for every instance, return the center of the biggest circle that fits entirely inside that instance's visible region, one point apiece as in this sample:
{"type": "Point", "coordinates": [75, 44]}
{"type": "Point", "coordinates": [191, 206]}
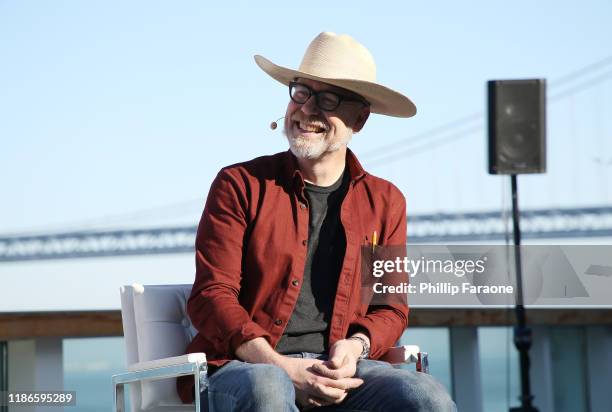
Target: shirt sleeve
{"type": "Point", "coordinates": [385, 324]}
{"type": "Point", "coordinates": [213, 306]}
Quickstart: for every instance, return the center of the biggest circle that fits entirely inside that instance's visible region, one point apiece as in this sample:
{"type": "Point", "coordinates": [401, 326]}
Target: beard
{"type": "Point", "coordinates": [314, 147]}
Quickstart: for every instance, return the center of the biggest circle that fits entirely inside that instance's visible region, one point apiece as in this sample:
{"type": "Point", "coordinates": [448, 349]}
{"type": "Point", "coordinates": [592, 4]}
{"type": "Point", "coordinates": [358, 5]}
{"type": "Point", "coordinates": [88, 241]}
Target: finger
{"type": "Point", "coordinates": [327, 393]}
{"type": "Point", "coordinates": [342, 398]}
{"type": "Point", "coordinates": [336, 361]}
{"type": "Point", "coordinates": [346, 371]}
{"type": "Point", "coordinates": [351, 383]}
{"type": "Point", "coordinates": [345, 383]}
{"type": "Point", "coordinates": [317, 402]}
{"type": "Point", "coordinates": [324, 370]}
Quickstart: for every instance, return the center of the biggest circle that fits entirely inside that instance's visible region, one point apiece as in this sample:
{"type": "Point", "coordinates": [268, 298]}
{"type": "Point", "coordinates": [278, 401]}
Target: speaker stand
{"type": "Point", "coordinates": [522, 333]}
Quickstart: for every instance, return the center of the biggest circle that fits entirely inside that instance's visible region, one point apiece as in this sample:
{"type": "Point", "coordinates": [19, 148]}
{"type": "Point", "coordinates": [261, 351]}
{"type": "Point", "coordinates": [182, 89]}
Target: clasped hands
{"type": "Point", "coordinates": [321, 383]}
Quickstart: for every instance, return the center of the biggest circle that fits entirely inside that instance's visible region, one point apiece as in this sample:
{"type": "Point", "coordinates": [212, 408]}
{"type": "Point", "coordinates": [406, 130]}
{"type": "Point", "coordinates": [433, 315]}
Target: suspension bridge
{"type": "Point", "coordinates": [544, 223]}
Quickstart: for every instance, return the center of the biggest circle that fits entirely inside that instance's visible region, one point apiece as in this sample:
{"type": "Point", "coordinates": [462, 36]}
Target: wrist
{"type": "Point", "coordinates": [361, 345]}
{"type": "Point", "coordinates": [356, 347]}
{"type": "Point", "coordinates": [287, 364]}
{"type": "Point", "coordinates": [279, 360]}
{"type": "Point", "coordinates": [258, 350]}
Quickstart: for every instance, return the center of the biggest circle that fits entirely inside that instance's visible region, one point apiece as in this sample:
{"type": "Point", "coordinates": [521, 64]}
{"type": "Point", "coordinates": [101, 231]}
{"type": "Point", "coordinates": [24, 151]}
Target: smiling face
{"type": "Point", "coordinates": [312, 132]}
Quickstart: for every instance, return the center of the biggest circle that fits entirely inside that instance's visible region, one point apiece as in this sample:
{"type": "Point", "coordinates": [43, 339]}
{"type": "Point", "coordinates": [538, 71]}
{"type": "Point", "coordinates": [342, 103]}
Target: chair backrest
{"type": "Point", "coordinates": [155, 326]}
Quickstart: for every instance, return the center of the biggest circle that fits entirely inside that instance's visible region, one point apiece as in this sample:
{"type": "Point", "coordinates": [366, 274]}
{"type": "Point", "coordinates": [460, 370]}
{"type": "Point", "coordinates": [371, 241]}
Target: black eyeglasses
{"type": "Point", "coordinates": [325, 100]}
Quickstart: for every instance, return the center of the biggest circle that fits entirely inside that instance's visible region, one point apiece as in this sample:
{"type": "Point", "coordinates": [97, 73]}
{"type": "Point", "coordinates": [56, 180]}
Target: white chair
{"type": "Point", "coordinates": [157, 330]}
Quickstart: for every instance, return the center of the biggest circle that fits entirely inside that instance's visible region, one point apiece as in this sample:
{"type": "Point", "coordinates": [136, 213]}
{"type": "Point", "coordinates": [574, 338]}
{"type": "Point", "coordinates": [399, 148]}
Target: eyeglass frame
{"type": "Point", "coordinates": [340, 97]}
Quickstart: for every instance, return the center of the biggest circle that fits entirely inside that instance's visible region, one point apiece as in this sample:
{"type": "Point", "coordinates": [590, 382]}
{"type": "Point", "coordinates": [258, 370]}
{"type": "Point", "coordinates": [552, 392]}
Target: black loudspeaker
{"type": "Point", "coordinates": [517, 126]}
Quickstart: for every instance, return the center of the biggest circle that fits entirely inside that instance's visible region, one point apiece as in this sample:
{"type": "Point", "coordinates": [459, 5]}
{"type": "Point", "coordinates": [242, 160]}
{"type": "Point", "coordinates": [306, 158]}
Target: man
{"type": "Point", "coordinates": [276, 299]}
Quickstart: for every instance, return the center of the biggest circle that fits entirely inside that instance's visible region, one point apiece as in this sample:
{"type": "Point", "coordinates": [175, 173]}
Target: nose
{"type": "Point", "coordinates": [310, 107]}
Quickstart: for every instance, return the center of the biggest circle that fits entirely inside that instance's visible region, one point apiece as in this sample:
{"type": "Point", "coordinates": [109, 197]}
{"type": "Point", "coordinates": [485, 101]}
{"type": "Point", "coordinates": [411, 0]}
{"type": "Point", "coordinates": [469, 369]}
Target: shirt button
{"type": "Point", "coordinates": [304, 242]}
{"type": "Point", "coordinates": [302, 205]}
{"type": "Point", "coordinates": [278, 322]}
{"type": "Point", "coordinates": [295, 282]}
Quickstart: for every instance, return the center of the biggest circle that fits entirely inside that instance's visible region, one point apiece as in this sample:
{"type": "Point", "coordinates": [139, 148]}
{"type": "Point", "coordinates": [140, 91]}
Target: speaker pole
{"type": "Point", "coordinates": [522, 333]}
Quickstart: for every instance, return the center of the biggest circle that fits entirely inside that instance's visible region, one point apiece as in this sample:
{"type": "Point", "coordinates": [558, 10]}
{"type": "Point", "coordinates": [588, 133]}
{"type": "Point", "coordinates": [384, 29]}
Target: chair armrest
{"type": "Point", "coordinates": [402, 354]}
{"type": "Point", "coordinates": [173, 361]}
{"type": "Point", "coordinates": [190, 364]}
{"type": "Point", "coordinates": [193, 364]}
{"type": "Point", "coordinates": [408, 354]}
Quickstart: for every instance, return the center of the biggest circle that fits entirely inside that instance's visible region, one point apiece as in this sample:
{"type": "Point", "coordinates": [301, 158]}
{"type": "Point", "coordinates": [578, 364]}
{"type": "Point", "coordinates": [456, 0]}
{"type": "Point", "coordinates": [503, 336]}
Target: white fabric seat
{"type": "Point", "coordinates": [156, 330]}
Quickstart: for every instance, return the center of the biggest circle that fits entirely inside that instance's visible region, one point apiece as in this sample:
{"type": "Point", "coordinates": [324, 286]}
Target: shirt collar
{"type": "Point", "coordinates": [292, 172]}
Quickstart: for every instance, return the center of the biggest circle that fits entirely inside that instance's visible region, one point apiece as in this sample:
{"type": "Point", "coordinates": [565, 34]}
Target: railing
{"type": "Point", "coordinates": [28, 325]}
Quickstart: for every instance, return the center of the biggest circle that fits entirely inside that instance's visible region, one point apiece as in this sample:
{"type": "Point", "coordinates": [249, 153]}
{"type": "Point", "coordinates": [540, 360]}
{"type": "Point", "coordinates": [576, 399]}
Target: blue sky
{"type": "Point", "coordinates": [110, 108]}
{"type": "Point", "coordinates": [114, 107]}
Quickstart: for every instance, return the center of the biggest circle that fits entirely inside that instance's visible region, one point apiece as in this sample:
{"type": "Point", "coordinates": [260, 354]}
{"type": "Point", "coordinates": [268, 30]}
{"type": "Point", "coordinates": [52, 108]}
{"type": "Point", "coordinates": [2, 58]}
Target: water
{"type": "Point", "coordinates": [93, 389]}
{"type": "Point", "coordinates": [89, 364]}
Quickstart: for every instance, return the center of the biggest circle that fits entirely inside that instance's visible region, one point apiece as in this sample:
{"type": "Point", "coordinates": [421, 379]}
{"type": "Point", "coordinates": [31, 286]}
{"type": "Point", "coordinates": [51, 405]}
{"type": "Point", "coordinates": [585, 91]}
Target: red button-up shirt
{"type": "Point", "coordinates": [251, 249]}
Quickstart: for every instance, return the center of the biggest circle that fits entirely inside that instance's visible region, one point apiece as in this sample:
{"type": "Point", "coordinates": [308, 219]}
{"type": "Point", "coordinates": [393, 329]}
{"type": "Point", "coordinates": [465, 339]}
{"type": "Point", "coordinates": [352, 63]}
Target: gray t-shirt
{"type": "Point", "coordinates": [307, 330]}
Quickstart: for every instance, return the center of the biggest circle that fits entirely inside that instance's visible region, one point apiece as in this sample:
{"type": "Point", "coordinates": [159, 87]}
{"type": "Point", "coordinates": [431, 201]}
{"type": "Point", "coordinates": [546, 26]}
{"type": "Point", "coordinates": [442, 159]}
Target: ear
{"type": "Point", "coordinates": [361, 119]}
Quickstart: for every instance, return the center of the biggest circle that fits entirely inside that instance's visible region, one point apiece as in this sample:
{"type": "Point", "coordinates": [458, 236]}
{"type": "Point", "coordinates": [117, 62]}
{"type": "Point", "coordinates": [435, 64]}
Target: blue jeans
{"type": "Point", "coordinates": [241, 386]}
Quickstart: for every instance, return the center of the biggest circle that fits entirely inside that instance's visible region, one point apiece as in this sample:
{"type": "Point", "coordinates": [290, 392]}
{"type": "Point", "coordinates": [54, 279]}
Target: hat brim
{"type": "Point", "coordinates": [382, 99]}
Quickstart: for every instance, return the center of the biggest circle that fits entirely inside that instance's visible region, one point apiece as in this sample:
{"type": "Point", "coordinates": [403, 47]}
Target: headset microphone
{"type": "Point", "coordinates": [274, 124]}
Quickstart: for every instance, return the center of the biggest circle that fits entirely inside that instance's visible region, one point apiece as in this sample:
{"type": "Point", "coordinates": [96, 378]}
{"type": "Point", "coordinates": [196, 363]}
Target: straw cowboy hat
{"type": "Point", "coordinates": [340, 60]}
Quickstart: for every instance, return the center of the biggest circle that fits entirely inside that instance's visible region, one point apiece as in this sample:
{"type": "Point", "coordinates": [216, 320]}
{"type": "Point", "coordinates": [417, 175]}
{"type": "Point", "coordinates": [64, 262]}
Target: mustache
{"type": "Point", "coordinates": [312, 120]}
